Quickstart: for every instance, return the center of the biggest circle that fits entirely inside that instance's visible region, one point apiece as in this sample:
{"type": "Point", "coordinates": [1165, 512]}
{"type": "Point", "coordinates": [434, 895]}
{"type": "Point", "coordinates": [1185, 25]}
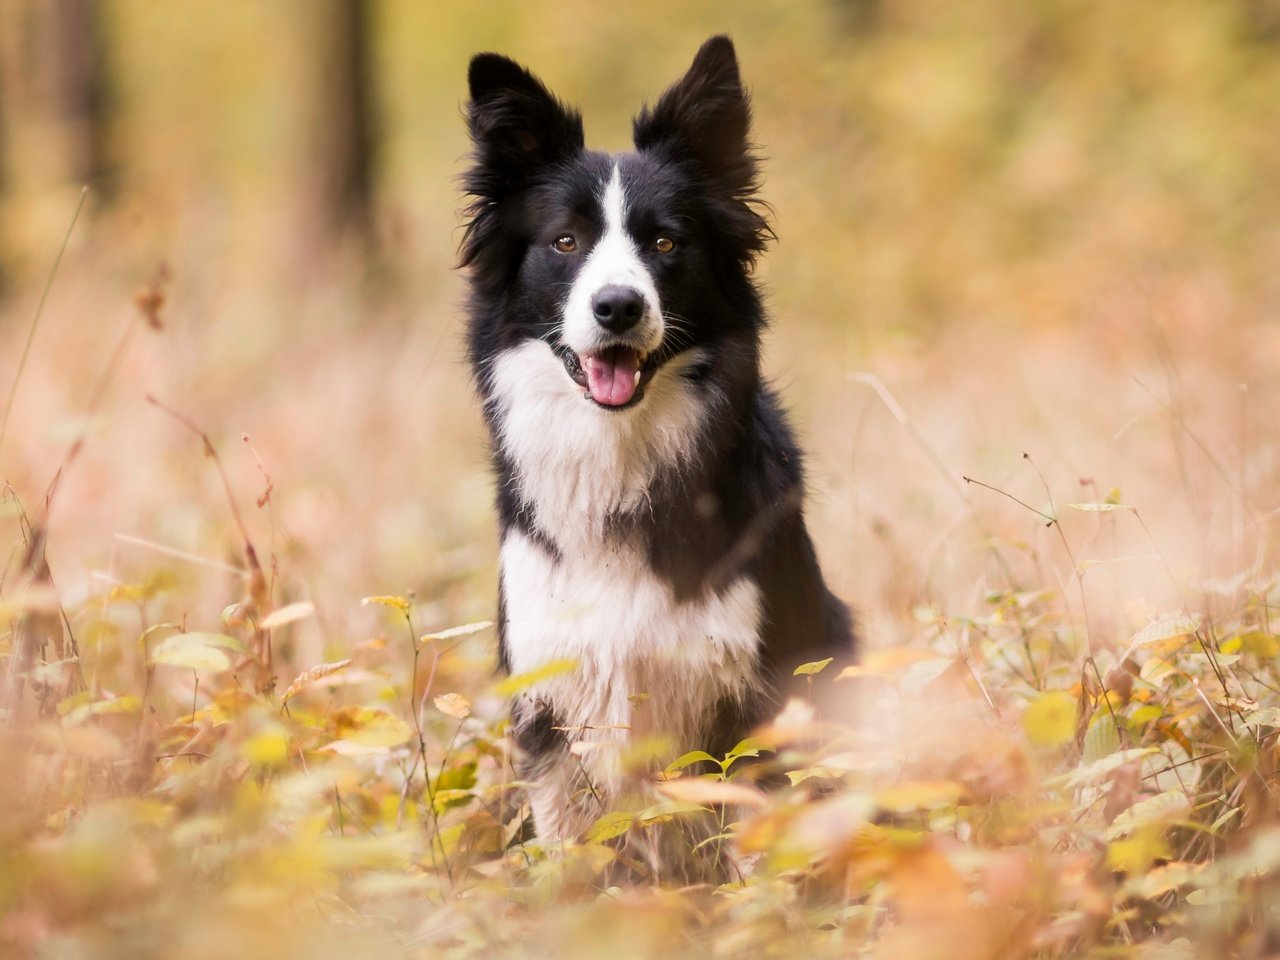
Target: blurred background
{"type": "Point", "coordinates": [1048, 228]}
{"type": "Point", "coordinates": [1031, 245]}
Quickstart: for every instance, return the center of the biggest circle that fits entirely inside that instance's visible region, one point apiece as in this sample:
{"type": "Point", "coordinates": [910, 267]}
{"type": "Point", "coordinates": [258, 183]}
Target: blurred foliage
{"type": "Point", "coordinates": [1006, 792]}
{"type": "Point", "coordinates": [1051, 230]}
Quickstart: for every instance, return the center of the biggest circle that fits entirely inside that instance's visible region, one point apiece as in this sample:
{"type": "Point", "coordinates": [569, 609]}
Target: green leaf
{"type": "Point", "coordinates": [1101, 739]}
{"type": "Point", "coordinates": [449, 799]}
{"type": "Point", "coordinates": [1144, 715]}
{"type": "Point", "coordinates": [750, 747]}
{"type": "Point", "coordinates": [811, 668]}
{"type": "Point", "coordinates": [690, 758]}
{"type": "Point", "coordinates": [462, 777]}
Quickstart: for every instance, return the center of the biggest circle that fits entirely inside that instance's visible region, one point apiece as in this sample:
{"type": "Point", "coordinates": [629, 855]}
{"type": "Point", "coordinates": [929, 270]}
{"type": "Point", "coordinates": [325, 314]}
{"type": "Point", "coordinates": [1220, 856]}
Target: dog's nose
{"type": "Point", "coordinates": [617, 308]}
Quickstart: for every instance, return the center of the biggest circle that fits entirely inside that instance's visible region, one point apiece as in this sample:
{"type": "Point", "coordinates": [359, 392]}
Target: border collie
{"type": "Point", "coordinates": [648, 484]}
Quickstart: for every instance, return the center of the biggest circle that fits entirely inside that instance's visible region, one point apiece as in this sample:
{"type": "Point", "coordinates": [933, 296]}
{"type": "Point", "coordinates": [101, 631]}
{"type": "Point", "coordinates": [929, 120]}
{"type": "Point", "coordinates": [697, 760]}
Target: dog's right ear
{"type": "Point", "coordinates": [517, 126]}
{"type": "Point", "coordinates": [517, 129]}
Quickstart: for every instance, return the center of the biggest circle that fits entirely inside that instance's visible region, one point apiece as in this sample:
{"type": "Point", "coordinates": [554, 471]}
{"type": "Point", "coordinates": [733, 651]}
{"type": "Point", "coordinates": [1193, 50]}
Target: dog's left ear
{"type": "Point", "coordinates": [706, 115]}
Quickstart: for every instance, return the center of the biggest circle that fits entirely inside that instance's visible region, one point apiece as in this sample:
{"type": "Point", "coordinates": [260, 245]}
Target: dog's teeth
{"type": "Point", "coordinates": [637, 380]}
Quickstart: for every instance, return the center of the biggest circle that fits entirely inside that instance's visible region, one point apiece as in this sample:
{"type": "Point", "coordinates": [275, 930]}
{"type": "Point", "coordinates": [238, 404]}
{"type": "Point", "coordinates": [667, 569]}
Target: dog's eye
{"type": "Point", "coordinates": [565, 244]}
{"type": "Point", "coordinates": [664, 244]}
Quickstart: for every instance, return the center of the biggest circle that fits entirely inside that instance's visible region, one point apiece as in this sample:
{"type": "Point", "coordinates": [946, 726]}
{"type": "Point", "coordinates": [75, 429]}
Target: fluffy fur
{"type": "Point", "coordinates": [648, 486]}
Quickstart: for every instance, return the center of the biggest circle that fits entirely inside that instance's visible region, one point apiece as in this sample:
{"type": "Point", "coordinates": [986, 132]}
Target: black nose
{"type": "Point", "coordinates": [617, 308]}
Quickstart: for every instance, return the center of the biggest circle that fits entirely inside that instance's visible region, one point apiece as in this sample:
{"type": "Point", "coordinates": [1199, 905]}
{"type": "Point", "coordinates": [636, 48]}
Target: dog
{"type": "Point", "coordinates": [648, 484]}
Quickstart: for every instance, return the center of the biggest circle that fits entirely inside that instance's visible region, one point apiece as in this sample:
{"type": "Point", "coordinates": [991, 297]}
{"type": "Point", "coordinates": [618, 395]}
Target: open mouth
{"type": "Point", "coordinates": [614, 377]}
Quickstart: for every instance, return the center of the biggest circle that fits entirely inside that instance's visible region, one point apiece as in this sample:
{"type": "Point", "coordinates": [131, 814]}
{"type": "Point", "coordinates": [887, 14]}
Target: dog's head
{"type": "Point", "coordinates": [617, 262]}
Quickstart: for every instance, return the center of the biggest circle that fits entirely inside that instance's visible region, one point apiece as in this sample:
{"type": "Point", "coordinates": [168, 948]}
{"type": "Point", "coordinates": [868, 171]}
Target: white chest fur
{"type": "Point", "coordinates": [577, 464]}
{"type": "Point", "coordinates": [599, 603]}
{"type": "Point", "coordinates": [648, 666]}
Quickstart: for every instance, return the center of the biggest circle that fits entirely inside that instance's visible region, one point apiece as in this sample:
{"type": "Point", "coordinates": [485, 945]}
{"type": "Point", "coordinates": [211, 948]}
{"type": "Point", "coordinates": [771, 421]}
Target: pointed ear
{"type": "Point", "coordinates": [516, 125]}
{"type": "Point", "coordinates": [705, 115]}
{"type": "Point", "coordinates": [517, 129]}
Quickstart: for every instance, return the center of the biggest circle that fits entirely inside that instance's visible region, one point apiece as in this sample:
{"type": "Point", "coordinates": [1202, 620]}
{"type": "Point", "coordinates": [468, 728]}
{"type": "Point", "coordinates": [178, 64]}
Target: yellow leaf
{"type": "Point", "coordinates": [1136, 854]}
{"type": "Point", "coordinates": [609, 826]}
{"type": "Point", "coordinates": [215, 640]}
{"type": "Point", "coordinates": [267, 749]}
{"type": "Point", "coordinates": [919, 794]}
{"type": "Point", "coordinates": [379, 730]}
{"type": "Point", "coordinates": [703, 791]}
{"type": "Point", "coordinates": [455, 633]}
{"type": "Point", "coordinates": [523, 681]}
{"type": "Point", "coordinates": [453, 705]}
{"type": "Point", "coordinates": [1050, 719]}
{"type": "Point", "coordinates": [397, 603]}
{"type": "Point", "coordinates": [809, 669]}
{"type": "Point", "coordinates": [1258, 643]}
{"type": "Point", "coordinates": [82, 711]}
{"type": "Point", "coordinates": [287, 614]}
{"type": "Point", "coordinates": [1164, 630]}
{"type": "Point", "coordinates": [316, 673]}
{"type": "Point", "coordinates": [191, 652]}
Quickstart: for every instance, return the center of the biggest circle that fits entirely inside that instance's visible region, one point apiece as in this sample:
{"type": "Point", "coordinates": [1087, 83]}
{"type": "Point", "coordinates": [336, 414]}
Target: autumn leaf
{"type": "Point", "coordinates": [395, 603]}
{"type": "Point", "coordinates": [287, 614]}
{"type": "Point", "coordinates": [523, 681]}
{"type": "Point", "coordinates": [1050, 719]}
{"type": "Point", "coordinates": [193, 651]}
{"type": "Point", "coordinates": [453, 705]}
{"type": "Point", "coordinates": [457, 633]}
{"type": "Point", "coordinates": [813, 667]}
{"type": "Point", "coordinates": [314, 675]}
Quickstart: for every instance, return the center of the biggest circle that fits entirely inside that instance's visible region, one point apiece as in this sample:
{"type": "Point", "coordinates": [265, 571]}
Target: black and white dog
{"type": "Point", "coordinates": [649, 487]}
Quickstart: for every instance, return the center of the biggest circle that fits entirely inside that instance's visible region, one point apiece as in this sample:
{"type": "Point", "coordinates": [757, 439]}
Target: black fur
{"type": "Point", "coordinates": [735, 510]}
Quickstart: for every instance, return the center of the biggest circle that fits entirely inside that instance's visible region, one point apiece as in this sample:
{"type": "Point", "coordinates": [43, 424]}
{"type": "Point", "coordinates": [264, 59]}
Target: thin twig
{"type": "Point", "coordinates": [35, 320]}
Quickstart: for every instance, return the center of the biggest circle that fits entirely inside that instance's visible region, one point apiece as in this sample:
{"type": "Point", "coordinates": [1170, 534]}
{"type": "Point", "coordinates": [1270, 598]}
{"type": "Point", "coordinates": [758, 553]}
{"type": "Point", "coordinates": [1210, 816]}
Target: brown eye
{"type": "Point", "coordinates": [664, 244]}
{"type": "Point", "coordinates": [565, 244]}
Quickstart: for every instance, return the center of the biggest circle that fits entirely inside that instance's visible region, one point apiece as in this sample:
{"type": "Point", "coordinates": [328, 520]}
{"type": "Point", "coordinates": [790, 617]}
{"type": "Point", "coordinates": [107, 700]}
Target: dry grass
{"type": "Point", "coordinates": [984, 794]}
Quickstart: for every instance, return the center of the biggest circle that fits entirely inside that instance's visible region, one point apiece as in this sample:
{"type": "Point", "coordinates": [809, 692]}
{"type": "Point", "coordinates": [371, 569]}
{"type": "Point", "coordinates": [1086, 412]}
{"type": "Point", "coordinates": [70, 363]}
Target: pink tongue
{"type": "Point", "coordinates": [611, 376]}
